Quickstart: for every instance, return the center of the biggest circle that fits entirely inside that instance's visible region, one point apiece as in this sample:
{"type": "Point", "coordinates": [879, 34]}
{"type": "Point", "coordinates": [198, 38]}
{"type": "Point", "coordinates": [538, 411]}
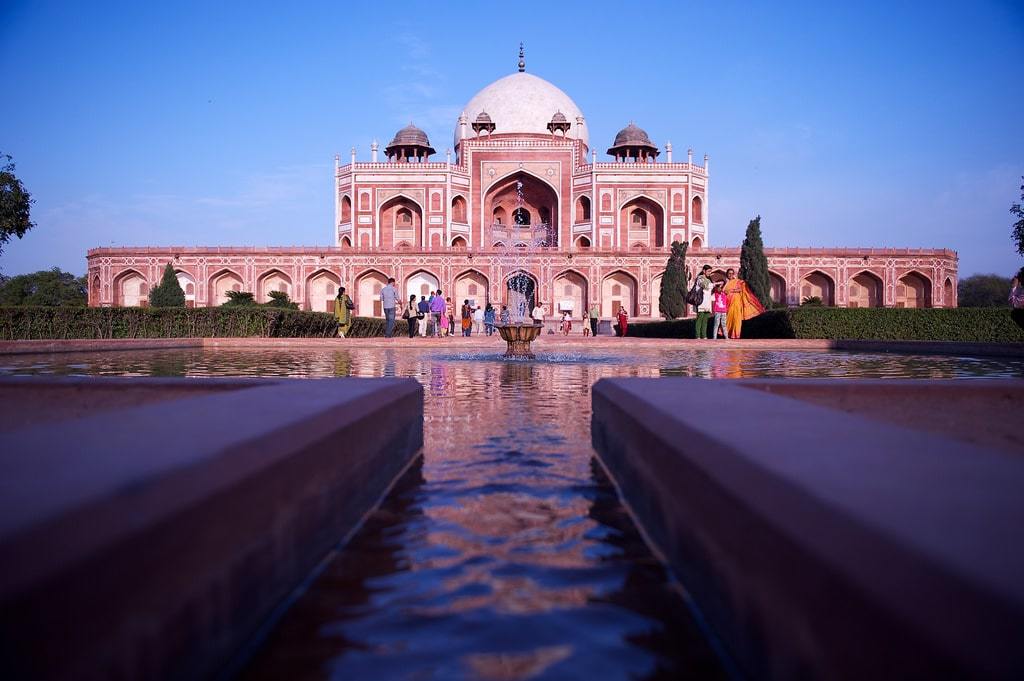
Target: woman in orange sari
{"type": "Point", "coordinates": [743, 304]}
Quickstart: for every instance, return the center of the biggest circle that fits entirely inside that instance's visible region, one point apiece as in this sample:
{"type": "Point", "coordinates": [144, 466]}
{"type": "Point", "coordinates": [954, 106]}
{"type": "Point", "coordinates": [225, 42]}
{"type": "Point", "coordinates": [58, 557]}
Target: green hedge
{"type": "Point", "coordinates": [38, 323]}
{"type": "Point", "coordinates": [965, 324]}
{"type": "Point", "coordinates": [373, 327]}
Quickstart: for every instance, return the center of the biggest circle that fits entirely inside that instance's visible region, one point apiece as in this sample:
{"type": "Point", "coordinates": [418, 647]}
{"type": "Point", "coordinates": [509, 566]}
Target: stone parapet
{"type": "Point", "coordinates": [824, 544]}
{"type": "Point", "coordinates": [150, 526]}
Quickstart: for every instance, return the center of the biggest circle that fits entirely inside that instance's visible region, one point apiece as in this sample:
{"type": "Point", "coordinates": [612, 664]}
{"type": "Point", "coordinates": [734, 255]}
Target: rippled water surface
{"type": "Point", "coordinates": [504, 553]}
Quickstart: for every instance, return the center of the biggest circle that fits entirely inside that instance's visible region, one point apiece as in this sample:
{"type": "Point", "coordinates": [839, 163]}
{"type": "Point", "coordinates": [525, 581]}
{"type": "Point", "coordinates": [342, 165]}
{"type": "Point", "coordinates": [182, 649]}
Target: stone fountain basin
{"type": "Point", "coordinates": [519, 337]}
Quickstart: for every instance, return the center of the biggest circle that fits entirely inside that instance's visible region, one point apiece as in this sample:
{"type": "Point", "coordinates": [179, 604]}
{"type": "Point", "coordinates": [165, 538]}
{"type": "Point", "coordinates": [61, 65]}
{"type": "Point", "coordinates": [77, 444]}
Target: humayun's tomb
{"type": "Point", "coordinates": [519, 205]}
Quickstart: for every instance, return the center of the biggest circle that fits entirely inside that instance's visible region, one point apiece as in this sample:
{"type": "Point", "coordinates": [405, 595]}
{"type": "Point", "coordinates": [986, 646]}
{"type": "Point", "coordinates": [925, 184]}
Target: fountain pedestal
{"type": "Point", "coordinates": [519, 337]}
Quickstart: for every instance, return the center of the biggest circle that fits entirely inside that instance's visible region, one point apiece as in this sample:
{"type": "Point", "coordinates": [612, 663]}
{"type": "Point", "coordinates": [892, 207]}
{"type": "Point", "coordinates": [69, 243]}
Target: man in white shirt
{"type": "Point", "coordinates": [478, 320]}
{"type": "Point", "coordinates": [538, 314]}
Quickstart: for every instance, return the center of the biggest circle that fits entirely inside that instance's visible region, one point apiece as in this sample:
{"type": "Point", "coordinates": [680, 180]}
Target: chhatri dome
{"type": "Point", "coordinates": [523, 103]}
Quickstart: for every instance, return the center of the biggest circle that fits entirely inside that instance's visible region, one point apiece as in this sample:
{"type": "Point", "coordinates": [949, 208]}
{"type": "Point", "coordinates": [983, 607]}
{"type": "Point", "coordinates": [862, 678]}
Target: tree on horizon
{"type": "Point", "coordinates": [15, 203]}
{"type": "Point", "coordinates": [754, 264]}
{"type": "Point", "coordinates": [47, 288]}
{"type": "Point", "coordinates": [672, 297]}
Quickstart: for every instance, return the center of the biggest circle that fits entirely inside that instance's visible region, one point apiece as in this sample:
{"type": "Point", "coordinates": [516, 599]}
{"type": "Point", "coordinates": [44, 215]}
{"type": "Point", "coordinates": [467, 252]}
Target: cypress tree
{"type": "Point", "coordinates": [672, 299]}
{"type": "Point", "coordinates": [168, 292]}
{"type": "Point", "coordinates": [754, 264]}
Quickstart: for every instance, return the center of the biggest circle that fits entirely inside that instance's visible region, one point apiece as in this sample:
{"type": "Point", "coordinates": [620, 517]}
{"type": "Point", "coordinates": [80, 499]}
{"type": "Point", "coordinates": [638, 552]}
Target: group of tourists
{"type": "Point", "coordinates": [725, 304]}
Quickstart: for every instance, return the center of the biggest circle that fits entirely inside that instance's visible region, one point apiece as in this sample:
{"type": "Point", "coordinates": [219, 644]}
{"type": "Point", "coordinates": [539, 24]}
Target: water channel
{"type": "Point", "coordinates": [504, 553]}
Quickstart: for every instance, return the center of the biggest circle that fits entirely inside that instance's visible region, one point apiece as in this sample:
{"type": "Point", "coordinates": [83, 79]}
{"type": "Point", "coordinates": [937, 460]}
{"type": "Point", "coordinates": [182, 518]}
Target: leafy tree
{"type": "Point", "coordinates": [672, 299]}
{"type": "Point", "coordinates": [239, 299]}
{"type": "Point", "coordinates": [983, 290]}
{"type": "Point", "coordinates": [1017, 211]}
{"type": "Point", "coordinates": [15, 203]}
{"type": "Point", "coordinates": [280, 299]}
{"type": "Point", "coordinates": [168, 292]}
{"type": "Point", "coordinates": [49, 288]}
{"type": "Point", "coordinates": [754, 264]}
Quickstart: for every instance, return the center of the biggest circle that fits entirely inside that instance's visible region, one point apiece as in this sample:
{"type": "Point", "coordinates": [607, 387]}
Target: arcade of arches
{"type": "Point", "coordinates": [572, 287]}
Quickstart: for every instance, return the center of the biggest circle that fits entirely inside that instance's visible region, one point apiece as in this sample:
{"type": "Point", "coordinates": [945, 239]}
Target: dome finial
{"type": "Point", "coordinates": [522, 59]}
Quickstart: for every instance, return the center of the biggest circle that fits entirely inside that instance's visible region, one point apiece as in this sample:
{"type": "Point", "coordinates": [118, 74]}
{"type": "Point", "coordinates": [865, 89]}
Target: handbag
{"type": "Point", "coordinates": [695, 296]}
{"type": "Point", "coordinates": [405, 313]}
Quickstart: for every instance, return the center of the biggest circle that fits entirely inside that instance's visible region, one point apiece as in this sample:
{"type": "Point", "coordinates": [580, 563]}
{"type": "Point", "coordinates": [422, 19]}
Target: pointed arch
{"type": "Point", "coordinates": [583, 208]}
{"type": "Point", "coordinates": [583, 241]}
{"type": "Point", "coordinates": [131, 289]}
{"type": "Point", "coordinates": [542, 200]}
{"type": "Point", "coordinates": [367, 286]}
{"type": "Point", "coordinates": [697, 210]}
{"type": "Point", "coordinates": [569, 292]}
{"type": "Point", "coordinates": [422, 282]}
{"type": "Point", "coordinates": [642, 217]}
{"type": "Point", "coordinates": [459, 209]}
{"type": "Point", "coordinates": [222, 281]}
{"type": "Point", "coordinates": [948, 293]}
{"type": "Point", "coordinates": [346, 209]}
{"type": "Point", "coordinates": [865, 290]}
{"type": "Point", "coordinates": [619, 288]}
{"type": "Point", "coordinates": [471, 284]}
{"type": "Point", "coordinates": [818, 284]}
{"type": "Point", "coordinates": [459, 242]}
{"type": "Point", "coordinates": [346, 242]}
{"type": "Point", "coordinates": [321, 289]}
{"type": "Point", "coordinates": [913, 289]}
{"type": "Point", "coordinates": [272, 280]}
{"type": "Point", "coordinates": [520, 288]}
{"type": "Point", "coordinates": [392, 225]}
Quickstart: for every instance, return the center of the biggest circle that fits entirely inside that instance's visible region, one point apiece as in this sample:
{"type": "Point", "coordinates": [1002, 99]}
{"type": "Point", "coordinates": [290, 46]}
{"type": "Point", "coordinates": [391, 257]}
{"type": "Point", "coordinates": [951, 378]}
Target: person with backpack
{"type": "Point", "coordinates": [700, 297]}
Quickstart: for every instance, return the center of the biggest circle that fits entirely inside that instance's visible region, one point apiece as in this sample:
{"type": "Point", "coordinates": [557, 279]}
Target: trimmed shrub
{"type": "Point", "coordinates": [373, 327]}
{"type": "Point", "coordinates": [41, 323]}
{"type": "Point", "coordinates": [966, 325]}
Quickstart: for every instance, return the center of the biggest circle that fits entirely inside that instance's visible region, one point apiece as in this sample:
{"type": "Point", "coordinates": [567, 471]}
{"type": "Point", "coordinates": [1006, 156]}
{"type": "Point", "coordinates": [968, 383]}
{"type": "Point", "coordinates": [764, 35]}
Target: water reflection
{"type": "Point", "coordinates": [505, 554]}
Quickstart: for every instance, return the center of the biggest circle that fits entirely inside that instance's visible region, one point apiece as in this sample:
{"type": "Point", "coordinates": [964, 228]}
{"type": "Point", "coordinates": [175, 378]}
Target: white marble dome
{"type": "Point", "coordinates": [522, 102]}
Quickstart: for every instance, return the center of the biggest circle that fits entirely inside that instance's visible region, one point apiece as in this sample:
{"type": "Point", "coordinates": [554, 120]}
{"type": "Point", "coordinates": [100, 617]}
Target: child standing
{"type": "Point", "coordinates": [719, 306]}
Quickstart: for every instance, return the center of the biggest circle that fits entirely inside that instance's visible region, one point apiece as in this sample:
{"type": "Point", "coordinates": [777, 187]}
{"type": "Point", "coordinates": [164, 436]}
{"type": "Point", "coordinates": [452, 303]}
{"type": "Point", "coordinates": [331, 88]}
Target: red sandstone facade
{"type": "Point", "coordinates": [519, 200]}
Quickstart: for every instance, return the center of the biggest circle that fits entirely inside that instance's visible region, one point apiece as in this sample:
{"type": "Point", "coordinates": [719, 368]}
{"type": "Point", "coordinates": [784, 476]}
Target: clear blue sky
{"type": "Point", "coordinates": [888, 124]}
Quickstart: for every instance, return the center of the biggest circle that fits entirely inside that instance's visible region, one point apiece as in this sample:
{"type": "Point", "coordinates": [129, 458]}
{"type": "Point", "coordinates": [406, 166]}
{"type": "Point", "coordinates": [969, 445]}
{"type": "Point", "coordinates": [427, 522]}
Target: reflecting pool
{"type": "Point", "coordinates": [504, 553]}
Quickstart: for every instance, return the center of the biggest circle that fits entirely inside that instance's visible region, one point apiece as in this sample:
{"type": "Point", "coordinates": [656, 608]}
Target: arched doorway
{"type": "Point", "coordinates": [220, 284]}
{"type": "Point", "coordinates": [865, 291]}
{"type": "Point", "coordinates": [131, 289]}
{"type": "Point", "coordinates": [520, 294]}
{"type": "Point", "coordinates": [274, 280]}
{"type": "Point", "coordinates": [368, 286]}
{"type": "Point", "coordinates": [913, 290]}
{"type": "Point", "coordinates": [570, 293]}
{"type": "Point", "coordinates": [421, 283]}
{"type": "Point", "coordinates": [818, 285]}
{"type": "Point", "coordinates": [618, 290]}
{"type": "Point", "coordinates": [525, 200]}
{"type": "Point", "coordinates": [401, 219]}
{"type": "Point", "coordinates": [321, 289]}
{"type": "Point", "coordinates": [643, 221]}
{"type": "Point", "coordinates": [471, 286]}
{"type": "Point", "coordinates": [948, 293]}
